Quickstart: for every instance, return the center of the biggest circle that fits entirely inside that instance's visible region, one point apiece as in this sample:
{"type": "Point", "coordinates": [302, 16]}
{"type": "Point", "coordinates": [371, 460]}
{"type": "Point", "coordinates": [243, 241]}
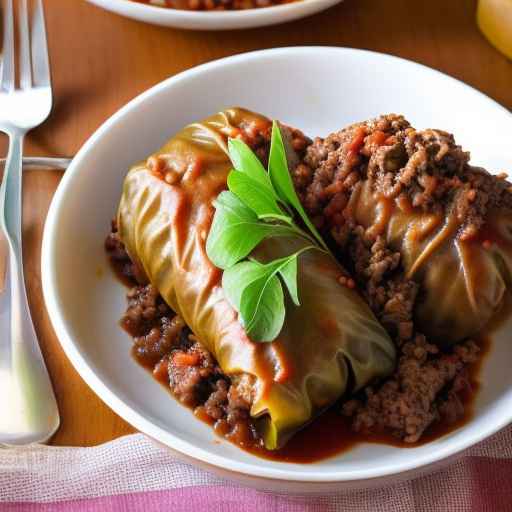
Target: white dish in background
{"type": "Point", "coordinates": [313, 88]}
{"type": "Point", "coordinates": [215, 20]}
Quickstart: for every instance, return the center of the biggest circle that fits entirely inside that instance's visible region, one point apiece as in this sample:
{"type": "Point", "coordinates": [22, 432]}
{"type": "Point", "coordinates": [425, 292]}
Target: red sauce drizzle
{"type": "Point", "coordinates": [179, 210]}
{"type": "Point", "coordinates": [385, 209]}
{"type": "Point", "coordinates": [194, 169]}
{"type": "Point", "coordinates": [356, 144]}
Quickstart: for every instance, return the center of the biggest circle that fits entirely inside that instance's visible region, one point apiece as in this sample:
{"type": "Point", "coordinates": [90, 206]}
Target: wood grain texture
{"type": "Point", "coordinates": [100, 61]}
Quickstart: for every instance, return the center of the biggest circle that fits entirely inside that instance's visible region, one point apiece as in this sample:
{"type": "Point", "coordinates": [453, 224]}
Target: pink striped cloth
{"type": "Point", "coordinates": [132, 473]}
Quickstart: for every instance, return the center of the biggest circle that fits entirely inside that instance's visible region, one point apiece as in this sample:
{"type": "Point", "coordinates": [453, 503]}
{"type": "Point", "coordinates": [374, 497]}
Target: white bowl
{"type": "Point", "coordinates": [218, 20]}
{"type": "Point", "coordinates": [314, 88]}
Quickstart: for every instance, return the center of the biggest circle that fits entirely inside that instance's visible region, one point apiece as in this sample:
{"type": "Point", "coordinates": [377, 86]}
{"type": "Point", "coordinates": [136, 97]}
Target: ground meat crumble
{"type": "Point", "coordinates": [424, 387]}
{"type": "Point", "coordinates": [424, 169]}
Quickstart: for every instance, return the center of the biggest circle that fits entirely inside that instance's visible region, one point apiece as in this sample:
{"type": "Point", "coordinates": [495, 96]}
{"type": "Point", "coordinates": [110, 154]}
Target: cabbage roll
{"type": "Point", "coordinates": [331, 341]}
{"type": "Point", "coordinates": [450, 222]}
{"type": "Point", "coordinates": [463, 281]}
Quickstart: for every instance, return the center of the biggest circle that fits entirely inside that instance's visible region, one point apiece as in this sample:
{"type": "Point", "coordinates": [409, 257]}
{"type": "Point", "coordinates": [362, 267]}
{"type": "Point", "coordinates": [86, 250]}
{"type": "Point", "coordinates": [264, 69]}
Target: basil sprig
{"type": "Point", "coordinates": [258, 205]}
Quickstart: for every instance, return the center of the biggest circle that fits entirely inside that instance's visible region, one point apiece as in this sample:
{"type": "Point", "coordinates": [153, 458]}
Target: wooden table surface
{"type": "Point", "coordinates": [100, 61]}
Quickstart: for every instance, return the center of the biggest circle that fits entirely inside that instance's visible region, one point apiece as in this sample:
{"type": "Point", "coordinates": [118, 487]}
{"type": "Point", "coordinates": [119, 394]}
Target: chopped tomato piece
{"type": "Point", "coordinates": [184, 359]}
{"type": "Point", "coordinates": [357, 141]}
{"type": "Point", "coordinates": [378, 138]}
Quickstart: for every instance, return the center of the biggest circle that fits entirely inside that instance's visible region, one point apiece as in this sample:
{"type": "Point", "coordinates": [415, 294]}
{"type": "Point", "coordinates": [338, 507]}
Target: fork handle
{"type": "Point", "coordinates": [32, 409]}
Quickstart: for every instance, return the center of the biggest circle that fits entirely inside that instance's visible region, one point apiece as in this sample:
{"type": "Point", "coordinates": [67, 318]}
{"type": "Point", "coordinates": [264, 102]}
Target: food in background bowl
{"type": "Point", "coordinates": [214, 5]}
{"type": "Point", "coordinates": [260, 328]}
{"type": "Point", "coordinates": [217, 14]}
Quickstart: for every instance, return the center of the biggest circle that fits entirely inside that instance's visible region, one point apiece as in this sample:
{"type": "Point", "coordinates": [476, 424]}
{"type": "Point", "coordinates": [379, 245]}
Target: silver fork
{"type": "Point", "coordinates": [43, 162]}
{"type": "Point", "coordinates": [28, 409]}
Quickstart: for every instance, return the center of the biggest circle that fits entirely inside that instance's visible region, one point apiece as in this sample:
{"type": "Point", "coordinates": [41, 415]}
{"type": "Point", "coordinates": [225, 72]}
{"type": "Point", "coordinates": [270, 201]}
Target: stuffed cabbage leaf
{"type": "Point", "coordinates": [450, 222]}
{"type": "Point", "coordinates": [463, 282]}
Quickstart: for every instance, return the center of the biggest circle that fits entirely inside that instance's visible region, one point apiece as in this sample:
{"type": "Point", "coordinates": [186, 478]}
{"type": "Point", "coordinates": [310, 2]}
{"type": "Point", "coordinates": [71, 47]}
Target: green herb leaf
{"type": "Point", "coordinates": [262, 308]}
{"type": "Point", "coordinates": [289, 274]}
{"type": "Point", "coordinates": [237, 277]}
{"type": "Point", "coordinates": [287, 268]}
{"type": "Point", "coordinates": [282, 181]}
{"type": "Point", "coordinates": [245, 161]}
{"type": "Point", "coordinates": [236, 231]}
{"type": "Point", "coordinates": [256, 197]}
{"type": "Point", "coordinates": [258, 205]}
{"type": "Point", "coordinates": [224, 246]}
{"type": "Point", "coordinates": [255, 291]}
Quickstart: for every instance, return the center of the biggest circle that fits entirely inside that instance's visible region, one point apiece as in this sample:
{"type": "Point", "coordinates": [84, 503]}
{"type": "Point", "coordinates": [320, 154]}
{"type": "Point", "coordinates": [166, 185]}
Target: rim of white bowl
{"type": "Point", "coordinates": [145, 11]}
{"type": "Point", "coordinates": [48, 270]}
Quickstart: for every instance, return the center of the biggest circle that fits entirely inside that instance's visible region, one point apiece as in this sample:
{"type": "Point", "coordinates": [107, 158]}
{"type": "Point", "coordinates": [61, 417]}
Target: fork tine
{"type": "Point", "coordinates": [40, 62]}
{"type": "Point", "coordinates": [25, 67]}
{"type": "Point", "coordinates": [7, 78]}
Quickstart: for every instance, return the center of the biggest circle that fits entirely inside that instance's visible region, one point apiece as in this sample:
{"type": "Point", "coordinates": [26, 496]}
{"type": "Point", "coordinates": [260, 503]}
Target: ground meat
{"type": "Point", "coordinates": [390, 295]}
{"type": "Point", "coordinates": [120, 260]}
{"type": "Point", "coordinates": [193, 374]}
{"type": "Point", "coordinates": [332, 166]}
{"type": "Point", "coordinates": [422, 168]}
{"type": "Point", "coordinates": [422, 390]}
{"type": "Point", "coordinates": [216, 404]}
{"type": "Point", "coordinates": [123, 266]}
{"type": "Point", "coordinates": [145, 310]}
{"type": "Point", "coordinates": [238, 406]}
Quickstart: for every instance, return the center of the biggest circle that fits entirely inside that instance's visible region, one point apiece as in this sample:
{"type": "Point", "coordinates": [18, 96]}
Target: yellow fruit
{"type": "Point", "coordinates": [494, 17]}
